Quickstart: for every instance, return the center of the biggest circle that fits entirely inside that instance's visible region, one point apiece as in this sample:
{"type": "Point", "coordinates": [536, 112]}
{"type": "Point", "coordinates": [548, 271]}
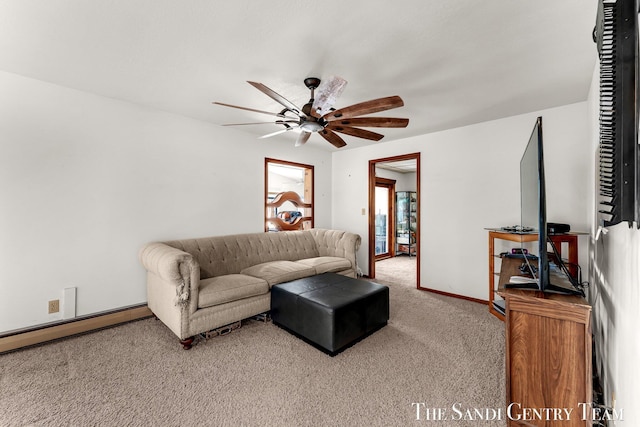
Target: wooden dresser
{"type": "Point", "coordinates": [548, 355]}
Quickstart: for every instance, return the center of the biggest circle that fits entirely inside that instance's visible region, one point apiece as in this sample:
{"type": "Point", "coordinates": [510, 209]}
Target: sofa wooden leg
{"type": "Point", "coordinates": [186, 343]}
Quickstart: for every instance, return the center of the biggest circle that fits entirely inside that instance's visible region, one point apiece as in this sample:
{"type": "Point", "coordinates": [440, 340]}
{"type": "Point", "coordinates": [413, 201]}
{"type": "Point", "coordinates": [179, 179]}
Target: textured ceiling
{"type": "Point", "coordinates": [400, 166]}
{"type": "Point", "coordinates": [454, 62]}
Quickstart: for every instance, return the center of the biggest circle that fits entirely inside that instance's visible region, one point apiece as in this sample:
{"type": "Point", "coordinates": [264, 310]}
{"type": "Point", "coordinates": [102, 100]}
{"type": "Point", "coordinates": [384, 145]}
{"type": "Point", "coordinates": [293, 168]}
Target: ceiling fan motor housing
{"type": "Point", "coordinates": [312, 82]}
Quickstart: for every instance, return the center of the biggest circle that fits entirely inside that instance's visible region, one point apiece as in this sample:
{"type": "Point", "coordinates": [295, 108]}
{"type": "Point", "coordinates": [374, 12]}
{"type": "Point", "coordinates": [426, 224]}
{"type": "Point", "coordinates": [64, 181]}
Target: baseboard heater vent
{"type": "Point", "coordinates": [28, 337]}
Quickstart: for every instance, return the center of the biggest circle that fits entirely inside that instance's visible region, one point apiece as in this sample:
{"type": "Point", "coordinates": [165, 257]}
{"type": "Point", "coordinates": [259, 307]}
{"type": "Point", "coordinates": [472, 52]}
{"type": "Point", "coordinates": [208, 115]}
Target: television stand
{"type": "Point", "coordinates": [548, 349]}
{"type": "Point", "coordinates": [570, 239]}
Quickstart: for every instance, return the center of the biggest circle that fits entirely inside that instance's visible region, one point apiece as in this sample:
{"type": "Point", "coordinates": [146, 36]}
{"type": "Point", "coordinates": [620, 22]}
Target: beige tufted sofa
{"type": "Point", "coordinates": [196, 285]}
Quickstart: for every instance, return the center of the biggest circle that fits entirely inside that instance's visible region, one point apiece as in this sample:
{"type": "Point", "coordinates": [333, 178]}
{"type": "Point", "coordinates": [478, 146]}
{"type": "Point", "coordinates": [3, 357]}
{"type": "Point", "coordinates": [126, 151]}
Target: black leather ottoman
{"type": "Point", "coordinates": [330, 311]}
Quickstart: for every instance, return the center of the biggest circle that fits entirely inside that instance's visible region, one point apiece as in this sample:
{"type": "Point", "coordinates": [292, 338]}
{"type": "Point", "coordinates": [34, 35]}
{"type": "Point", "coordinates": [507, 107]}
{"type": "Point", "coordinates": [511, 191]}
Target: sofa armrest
{"type": "Point", "coordinates": [338, 243]}
{"type": "Point", "coordinates": [173, 266]}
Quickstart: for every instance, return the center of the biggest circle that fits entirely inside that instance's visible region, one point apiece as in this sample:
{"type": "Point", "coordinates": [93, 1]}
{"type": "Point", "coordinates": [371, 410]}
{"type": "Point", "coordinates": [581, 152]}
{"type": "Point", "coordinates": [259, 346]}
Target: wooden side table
{"type": "Point", "coordinates": [570, 238]}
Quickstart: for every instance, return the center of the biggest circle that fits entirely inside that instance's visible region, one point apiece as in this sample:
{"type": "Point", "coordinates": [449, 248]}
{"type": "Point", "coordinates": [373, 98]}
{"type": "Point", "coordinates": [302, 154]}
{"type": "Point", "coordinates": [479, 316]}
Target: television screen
{"type": "Point", "coordinates": [529, 182]}
{"type": "Point", "coordinates": [533, 206]}
{"type": "Point", "coordinates": [533, 202]}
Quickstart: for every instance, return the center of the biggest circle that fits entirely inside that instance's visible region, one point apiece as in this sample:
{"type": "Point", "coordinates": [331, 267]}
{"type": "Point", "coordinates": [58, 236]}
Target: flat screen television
{"type": "Point", "coordinates": [533, 211]}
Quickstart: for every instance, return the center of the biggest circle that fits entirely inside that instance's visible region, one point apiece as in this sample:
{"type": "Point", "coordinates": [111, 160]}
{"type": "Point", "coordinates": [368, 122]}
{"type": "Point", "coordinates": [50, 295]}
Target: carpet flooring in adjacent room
{"type": "Point", "coordinates": [400, 269]}
{"type": "Point", "coordinates": [436, 350]}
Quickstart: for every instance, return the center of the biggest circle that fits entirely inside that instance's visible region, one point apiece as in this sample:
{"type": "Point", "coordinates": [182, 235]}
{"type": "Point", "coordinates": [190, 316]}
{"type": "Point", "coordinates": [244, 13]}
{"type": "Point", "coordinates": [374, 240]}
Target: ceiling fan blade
{"type": "Point", "coordinates": [360, 133]}
{"type": "Point", "coordinates": [327, 94]}
{"type": "Point", "coordinates": [278, 98]}
{"type": "Point", "coordinates": [269, 135]}
{"type": "Point", "coordinates": [251, 109]}
{"type": "Point", "coordinates": [277, 122]}
{"type": "Point", "coordinates": [302, 138]}
{"type": "Point", "coordinates": [373, 122]}
{"type": "Point", "coordinates": [367, 107]}
{"type": "Point", "coordinates": [332, 137]}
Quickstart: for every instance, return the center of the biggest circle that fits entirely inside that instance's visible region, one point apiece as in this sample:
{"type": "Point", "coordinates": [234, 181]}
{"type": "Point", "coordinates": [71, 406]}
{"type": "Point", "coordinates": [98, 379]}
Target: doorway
{"type": "Point", "coordinates": [384, 218]}
{"type": "Point", "coordinates": [396, 180]}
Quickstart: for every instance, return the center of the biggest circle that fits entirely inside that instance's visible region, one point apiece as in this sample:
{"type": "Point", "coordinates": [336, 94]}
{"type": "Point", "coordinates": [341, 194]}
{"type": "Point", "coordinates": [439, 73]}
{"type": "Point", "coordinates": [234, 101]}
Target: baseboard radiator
{"type": "Point", "coordinates": [53, 331]}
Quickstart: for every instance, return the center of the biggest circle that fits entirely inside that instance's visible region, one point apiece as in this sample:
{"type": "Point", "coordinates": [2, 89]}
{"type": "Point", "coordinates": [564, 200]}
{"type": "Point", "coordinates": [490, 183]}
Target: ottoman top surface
{"type": "Point", "coordinates": [330, 289]}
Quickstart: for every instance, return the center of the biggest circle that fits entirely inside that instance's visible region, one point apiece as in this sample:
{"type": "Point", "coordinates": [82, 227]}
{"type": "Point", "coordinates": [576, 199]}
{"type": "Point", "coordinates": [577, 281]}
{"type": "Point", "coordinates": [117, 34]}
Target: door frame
{"type": "Point", "coordinates": [372, 217]}
{"type": "Point", "coordinates": [389, 184]}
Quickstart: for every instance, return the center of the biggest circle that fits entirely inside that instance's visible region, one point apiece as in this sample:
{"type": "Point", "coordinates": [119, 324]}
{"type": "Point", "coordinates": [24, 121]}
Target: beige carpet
{"type": "Point", "coordinates": [401, 269]}
{"type": "Point", "coordinates": [435, 350]}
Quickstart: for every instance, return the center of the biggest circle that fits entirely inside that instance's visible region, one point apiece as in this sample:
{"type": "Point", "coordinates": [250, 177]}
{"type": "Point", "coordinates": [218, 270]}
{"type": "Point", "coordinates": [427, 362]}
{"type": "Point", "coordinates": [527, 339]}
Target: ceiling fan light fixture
{"type": "Point", "coordinates": [311, 126]}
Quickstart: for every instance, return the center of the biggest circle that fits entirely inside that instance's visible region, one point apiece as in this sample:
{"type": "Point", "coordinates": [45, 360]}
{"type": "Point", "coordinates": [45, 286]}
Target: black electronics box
{"type": "Point", "coordinates": [555, 228]}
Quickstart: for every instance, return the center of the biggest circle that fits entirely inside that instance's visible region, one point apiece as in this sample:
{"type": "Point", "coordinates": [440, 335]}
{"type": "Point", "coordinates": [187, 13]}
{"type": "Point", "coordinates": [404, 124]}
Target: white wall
{"type": "Point", "coordinates": [615, 296]}
{"type": "Point", "coordinates": [469, 181]}
{"type": "Point", "coordinates": [85, 181]}
{"type": "Point", "coordinates": [408, 182]}
{"type": "Point", "coordinates": [404, 181]}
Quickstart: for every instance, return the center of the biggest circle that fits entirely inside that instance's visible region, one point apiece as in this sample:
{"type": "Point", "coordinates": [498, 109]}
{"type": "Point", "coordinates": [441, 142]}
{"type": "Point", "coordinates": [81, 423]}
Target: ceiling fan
{"type": "Point", "coordinates": [319, 116]}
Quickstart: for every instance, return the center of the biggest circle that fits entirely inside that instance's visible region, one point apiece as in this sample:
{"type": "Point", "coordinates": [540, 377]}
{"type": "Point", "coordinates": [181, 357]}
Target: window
{"type": "Point", "coordinates": [288, 196]}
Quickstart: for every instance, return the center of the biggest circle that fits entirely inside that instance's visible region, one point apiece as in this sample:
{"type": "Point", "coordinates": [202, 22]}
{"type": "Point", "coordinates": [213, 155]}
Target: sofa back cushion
{"type": "Point", "coordinates": [222, 255]}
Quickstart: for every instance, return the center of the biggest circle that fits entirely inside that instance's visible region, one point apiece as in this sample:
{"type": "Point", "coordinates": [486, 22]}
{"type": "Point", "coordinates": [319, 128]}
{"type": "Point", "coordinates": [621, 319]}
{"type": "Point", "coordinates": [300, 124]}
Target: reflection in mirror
{"type": "Point", "coordinates": [398, 264]}
{"type": "Point", "coordinates": [288, 196]}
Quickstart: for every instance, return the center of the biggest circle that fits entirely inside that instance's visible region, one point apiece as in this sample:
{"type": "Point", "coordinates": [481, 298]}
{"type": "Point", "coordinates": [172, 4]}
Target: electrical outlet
{"type": "Point", "coordinates": [54, 306]}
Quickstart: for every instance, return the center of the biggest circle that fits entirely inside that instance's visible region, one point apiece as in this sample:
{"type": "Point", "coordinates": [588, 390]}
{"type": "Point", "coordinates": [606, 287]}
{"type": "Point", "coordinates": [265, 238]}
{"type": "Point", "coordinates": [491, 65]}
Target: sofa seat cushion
{"type": "Point", "coordinates": [231, 287]}
{"type": "Point", "coordinates": [276, 272]}
{"type": "Point", "coordinates": [326, 264]}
